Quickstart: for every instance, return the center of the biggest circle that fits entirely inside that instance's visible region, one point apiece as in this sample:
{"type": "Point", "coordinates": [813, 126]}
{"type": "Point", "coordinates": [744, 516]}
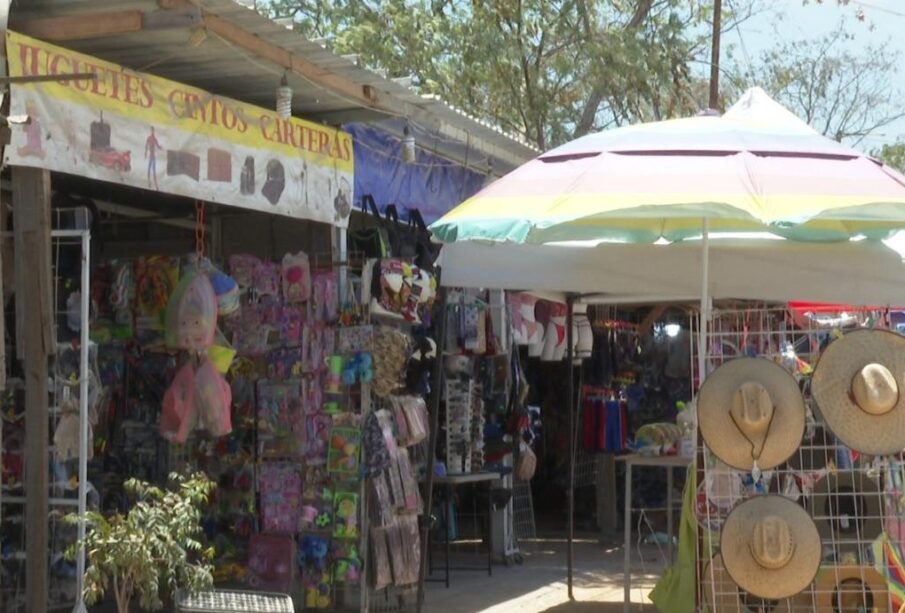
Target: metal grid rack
{"type": "Point", "coordinates": [855, 501]}
{"type": "Point", "coordinates": [71, 368]}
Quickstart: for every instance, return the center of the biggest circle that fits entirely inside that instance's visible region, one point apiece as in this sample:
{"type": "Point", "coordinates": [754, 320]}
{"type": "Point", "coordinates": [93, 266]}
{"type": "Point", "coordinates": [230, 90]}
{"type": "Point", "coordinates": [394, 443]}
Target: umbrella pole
{"type": "Point", "coordinates": [570, 350]}
{"type": "Point", "coordinates": [705, 302]}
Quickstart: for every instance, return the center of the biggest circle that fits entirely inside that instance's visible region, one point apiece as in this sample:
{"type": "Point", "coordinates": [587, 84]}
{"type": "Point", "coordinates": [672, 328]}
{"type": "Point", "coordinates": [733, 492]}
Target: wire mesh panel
{"type": "Point", "coordinates": [853, 500]}
{"type": "Point", "coordinates": [523, 513]}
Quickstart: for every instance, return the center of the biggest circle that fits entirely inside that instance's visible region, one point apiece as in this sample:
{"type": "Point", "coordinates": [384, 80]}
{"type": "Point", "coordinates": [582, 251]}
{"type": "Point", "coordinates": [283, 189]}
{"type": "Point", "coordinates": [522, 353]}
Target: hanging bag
{"type": "Point", "coordinates": [527, 463]}
{"type": "Point", "coordinates": [426, 251]}
{"type": "Point", "coordinates": [372, 241]}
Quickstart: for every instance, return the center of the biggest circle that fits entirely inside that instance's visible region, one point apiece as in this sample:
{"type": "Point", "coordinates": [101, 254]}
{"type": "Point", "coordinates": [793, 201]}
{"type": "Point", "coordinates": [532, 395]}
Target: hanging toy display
{"type": "Point", "coordinates": [191, 316]}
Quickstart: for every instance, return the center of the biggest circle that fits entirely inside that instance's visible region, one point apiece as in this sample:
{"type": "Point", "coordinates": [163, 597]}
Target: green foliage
{"type": "Point", "coordinates": [550, 70]}
{"type": "Point", "coordinates": [893, 155]}
{"type": "Point", "coordinates": [152, 550]}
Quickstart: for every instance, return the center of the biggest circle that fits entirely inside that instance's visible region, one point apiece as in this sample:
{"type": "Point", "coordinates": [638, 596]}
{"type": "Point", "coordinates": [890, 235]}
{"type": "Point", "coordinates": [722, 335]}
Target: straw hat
{"type": "Point", "coordinates": [846, 507]}
{"type": "Point", "coordinates": [721, 593]}
{"type": "Point", "coordinates": [840, 589]}
{"type": "Point", "coordinates": [751, 409]}
{"type": "Point", "coordinates": [770, 547]}
{"type": "Point", "coordinates": [857, 385]}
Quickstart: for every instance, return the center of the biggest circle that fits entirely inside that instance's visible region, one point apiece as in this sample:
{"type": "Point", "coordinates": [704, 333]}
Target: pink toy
{"type": "Point", "coordinates": [213, 398]}
{"type": "Point", "coordinates": [191, 319]}
{"type": "Point", "coordinates": [178, 414]}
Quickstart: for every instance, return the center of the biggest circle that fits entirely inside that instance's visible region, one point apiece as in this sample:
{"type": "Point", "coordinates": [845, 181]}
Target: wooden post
{"type": "Point", "coordinates": [31, 210]}
{"type": "Point", "coordinates": [715, 55]}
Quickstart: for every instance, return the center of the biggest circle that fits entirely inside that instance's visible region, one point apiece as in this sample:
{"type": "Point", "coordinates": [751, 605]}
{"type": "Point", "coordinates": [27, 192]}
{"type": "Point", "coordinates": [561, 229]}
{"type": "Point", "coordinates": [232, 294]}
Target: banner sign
{"type": "Point", "coordinates": [137, 129]}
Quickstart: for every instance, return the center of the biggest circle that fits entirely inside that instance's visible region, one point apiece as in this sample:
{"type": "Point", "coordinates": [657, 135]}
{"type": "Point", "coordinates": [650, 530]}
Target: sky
{"type": "Point", "coordinates": [884, 21]}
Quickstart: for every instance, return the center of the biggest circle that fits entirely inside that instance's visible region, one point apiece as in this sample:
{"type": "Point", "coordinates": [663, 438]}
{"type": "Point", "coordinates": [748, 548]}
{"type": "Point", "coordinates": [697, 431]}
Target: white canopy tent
{"type": "Point", "coordinates": [854, 273]}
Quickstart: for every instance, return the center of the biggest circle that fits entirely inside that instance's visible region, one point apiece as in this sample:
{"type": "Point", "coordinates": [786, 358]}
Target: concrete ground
{"type": "Point", "coordinates": [539, 585]}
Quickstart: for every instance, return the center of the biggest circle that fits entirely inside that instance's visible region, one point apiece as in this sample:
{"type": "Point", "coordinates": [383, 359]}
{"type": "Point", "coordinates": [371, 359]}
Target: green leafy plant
{"type": "Point", "coordinates": [151, 551]}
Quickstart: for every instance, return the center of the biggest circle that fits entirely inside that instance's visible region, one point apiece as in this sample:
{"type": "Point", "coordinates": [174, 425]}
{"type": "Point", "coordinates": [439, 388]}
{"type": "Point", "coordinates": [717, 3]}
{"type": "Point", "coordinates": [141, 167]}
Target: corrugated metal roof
{"type": "Point", "coordinates": [223, 67]}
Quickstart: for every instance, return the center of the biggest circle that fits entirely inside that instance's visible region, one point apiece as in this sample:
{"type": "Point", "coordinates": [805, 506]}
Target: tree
{"type": "Point", "coordinates": [550, 70]}
{"type": "Point", "coordinates": [893, 155]}
{"type": "Point", "coordinates": [842, 94]}
{"type": "Point", "coordinates": [151, 548]}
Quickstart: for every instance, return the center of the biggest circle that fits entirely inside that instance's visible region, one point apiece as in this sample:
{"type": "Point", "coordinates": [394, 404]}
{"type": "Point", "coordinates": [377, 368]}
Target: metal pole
{"type": "Point", "coordinates": [570, 303]}
{"type": "Point", "coordinates": [435, 395]}
{"type": "Point", "coordinates": [705, 303]}
{"type": "Point", "coordinates": [83, 418]}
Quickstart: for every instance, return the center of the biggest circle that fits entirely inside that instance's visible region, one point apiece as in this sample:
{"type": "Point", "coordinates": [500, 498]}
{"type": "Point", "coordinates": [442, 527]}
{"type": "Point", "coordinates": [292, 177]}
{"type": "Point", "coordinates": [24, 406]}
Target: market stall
{"type": "Point", "coordinates": [229, 334]}
{"type": "Point", "coordinates": [761, 168]}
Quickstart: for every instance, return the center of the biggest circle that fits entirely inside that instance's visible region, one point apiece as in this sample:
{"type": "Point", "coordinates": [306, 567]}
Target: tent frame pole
{"type": "Point", "coordinates": [435, 397]}
{"type": "Point", "coordinates": [705, 302]}
{"type": "Point", "coordinates": [570, 350]}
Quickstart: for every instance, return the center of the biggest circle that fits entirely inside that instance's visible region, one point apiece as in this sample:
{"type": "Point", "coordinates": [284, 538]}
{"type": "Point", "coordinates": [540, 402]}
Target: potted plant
{"type": "Point", "coordinates": [153, 549]}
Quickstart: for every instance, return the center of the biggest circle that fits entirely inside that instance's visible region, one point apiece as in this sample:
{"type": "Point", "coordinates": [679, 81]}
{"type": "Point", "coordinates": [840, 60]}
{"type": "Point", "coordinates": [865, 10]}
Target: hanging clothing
{"type": "Point", "coordinates": [604, 424]}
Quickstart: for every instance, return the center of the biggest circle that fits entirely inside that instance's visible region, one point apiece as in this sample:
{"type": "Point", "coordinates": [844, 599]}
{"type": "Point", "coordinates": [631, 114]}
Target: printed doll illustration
{"type": "Point", "coordinates": [152, 145]}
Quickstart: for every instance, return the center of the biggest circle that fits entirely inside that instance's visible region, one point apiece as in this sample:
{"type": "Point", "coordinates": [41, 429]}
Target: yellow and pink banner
{"type": "Point", "coordinates": [136, 129]}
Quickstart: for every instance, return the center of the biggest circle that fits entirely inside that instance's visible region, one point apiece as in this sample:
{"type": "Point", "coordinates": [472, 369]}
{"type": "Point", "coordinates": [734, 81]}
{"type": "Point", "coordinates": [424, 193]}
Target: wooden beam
{"type": "Point", "coordinates": [31, 206]}
{"type": "Point", "coordinates": [79, 27]}
{"type": "Point", "coordinates": [251, 43]}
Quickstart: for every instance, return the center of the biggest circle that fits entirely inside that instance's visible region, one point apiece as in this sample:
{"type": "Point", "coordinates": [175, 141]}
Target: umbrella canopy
{"type": "Point", "coordinates": [755, 168]}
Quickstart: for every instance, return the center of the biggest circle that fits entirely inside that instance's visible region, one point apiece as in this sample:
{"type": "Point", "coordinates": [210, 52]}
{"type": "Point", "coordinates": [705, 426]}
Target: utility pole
{"type": "Point", "coordinates": [715, 56]}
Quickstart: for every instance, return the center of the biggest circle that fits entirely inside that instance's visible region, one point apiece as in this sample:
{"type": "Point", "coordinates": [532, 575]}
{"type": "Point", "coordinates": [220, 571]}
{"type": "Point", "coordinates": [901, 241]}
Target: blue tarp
{"type": "Point", "coordinates": [433, 185]}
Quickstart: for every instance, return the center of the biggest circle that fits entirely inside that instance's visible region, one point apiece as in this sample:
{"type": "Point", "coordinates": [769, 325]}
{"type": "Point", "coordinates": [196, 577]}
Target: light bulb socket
{"type": "Point", "coordinates": [284, 98]}
{"type": "Point", "coordinates": [408, 145]}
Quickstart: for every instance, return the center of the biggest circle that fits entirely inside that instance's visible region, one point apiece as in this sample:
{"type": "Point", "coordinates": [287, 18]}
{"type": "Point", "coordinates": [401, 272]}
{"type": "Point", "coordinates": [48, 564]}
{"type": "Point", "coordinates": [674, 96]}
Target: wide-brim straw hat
{"type": "Point", "coordinates": [770, 547]}
{"type": "Point", "coordinates": [721, 594]}
{"type": "Point", "coordinates": [721, 431]}
{"type": "Point", "coordinates": [861, 588]}
{"type": "Point", "coordinates": [847, 509]}
{"type": "Point", "coordinates": [864, 410]}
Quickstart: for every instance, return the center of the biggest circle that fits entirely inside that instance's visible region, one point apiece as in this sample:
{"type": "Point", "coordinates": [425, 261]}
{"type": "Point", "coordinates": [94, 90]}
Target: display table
{"type": "Point", "coordinates": [452, 481]}
{"type": "Point", "coordinates": [632, 460]}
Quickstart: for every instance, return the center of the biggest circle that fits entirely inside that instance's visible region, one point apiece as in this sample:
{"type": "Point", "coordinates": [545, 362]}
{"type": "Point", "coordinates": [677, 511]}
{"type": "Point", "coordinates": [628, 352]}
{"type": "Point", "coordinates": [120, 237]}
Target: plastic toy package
{"type": "Point", "coordinates": [353, 339]}
{"type": "Point", "coordinates": [317, 438]}
{"type": "Point", "coordinates": [382, 575]}
{"type": "Point", "coordinates": [325, 296]}
{"type": "Point", "coordinates": [266, 280]}
{"type": "Point", "coordinates": [281, 492]}
{"type": "Point", "coordinates": [280, 418]}
{"type": "Point", "coordinates": [270, 562]}
{"type": "Point", "coordinates": [296, 277]}
{"type": "Point", "coordinates": [345, 515]}
{"type": "Point", "coordinates": [411, 496]}
{"type": "Point", "coordinates": [411, 549]}
{"type": "Point", "coordinates": [384, 500]}
{"type": "Point", "coordinates": [291, 324]}
{"type": "Point", "coordinates": [346, 562]}
{"type": "Point", "coordinates": [285, 363]}
{"type": "Point", "coordinates": [343, 455]}
{"type": "Point", "coordinates": [415, 411]}
{"type": "Point", "coordinates": [314, 562]}
{"type": "Point", "coordinates": [242, 269]}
